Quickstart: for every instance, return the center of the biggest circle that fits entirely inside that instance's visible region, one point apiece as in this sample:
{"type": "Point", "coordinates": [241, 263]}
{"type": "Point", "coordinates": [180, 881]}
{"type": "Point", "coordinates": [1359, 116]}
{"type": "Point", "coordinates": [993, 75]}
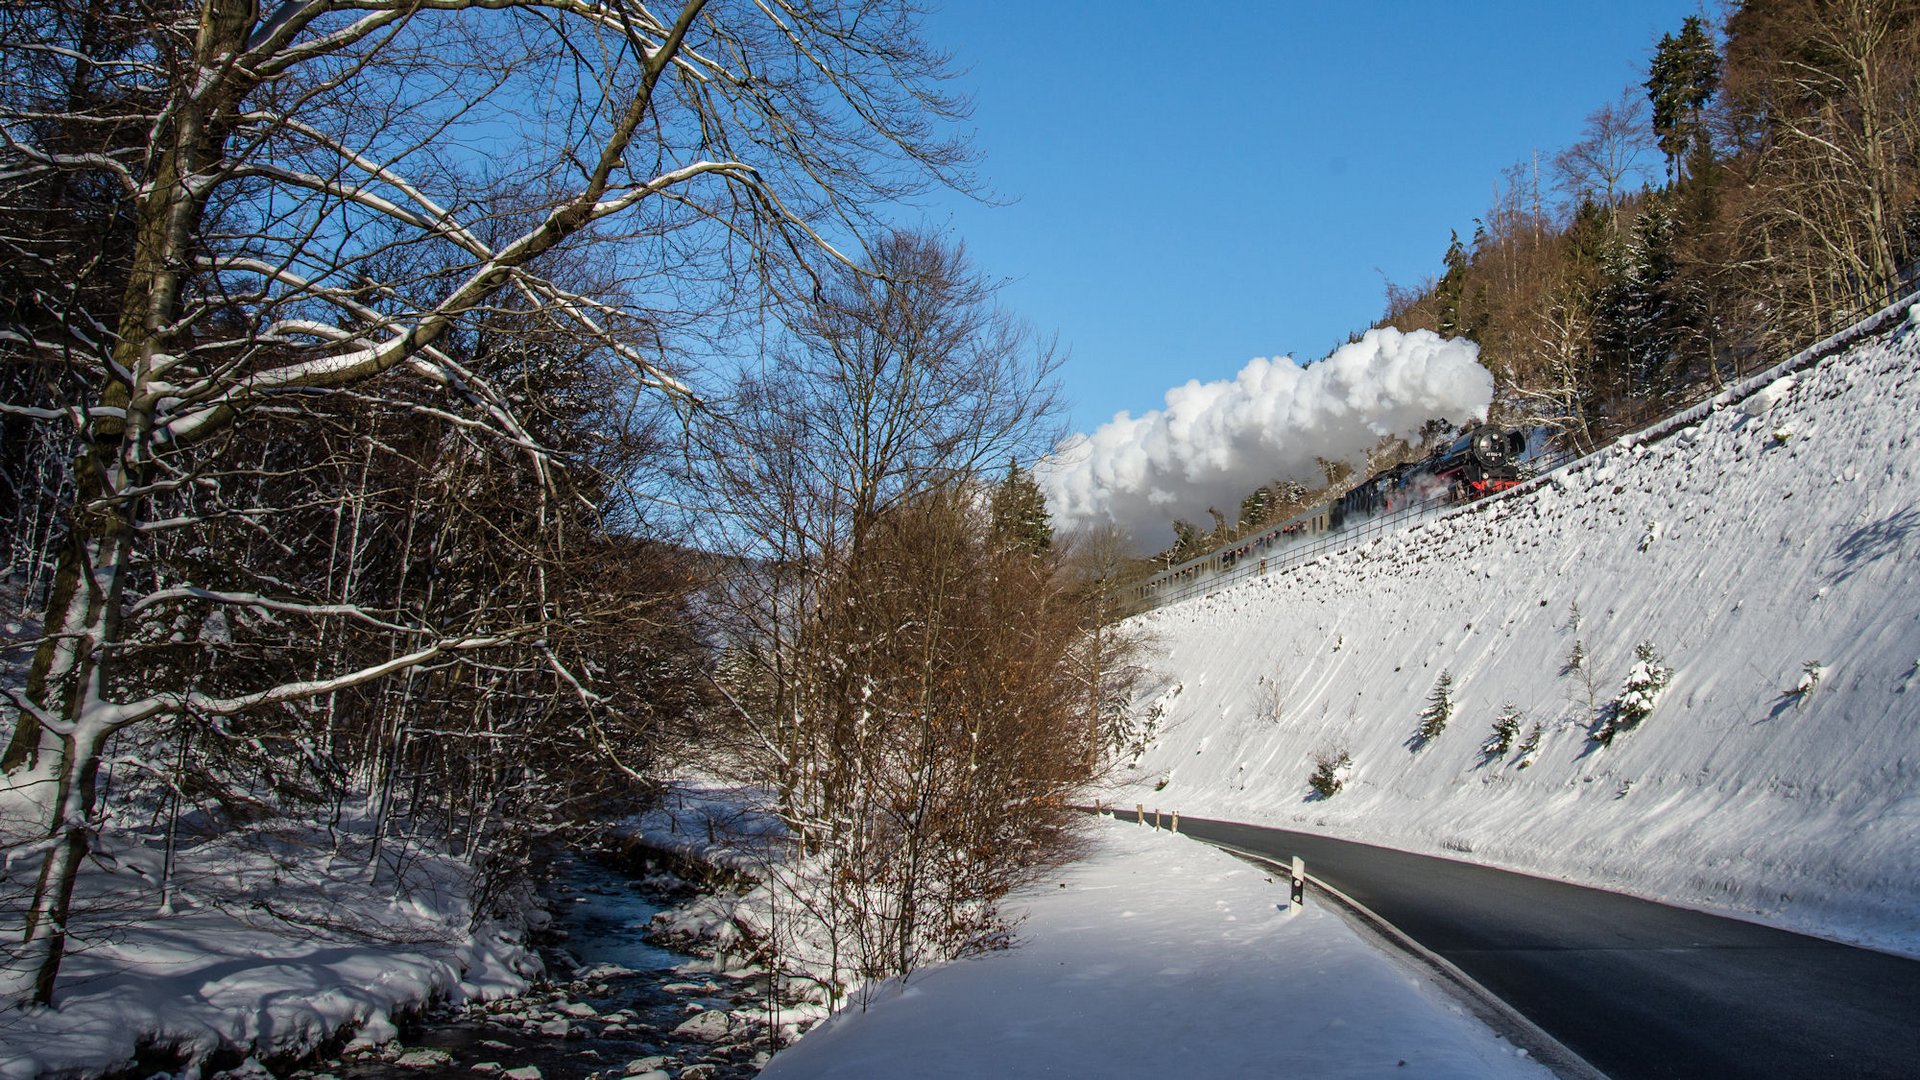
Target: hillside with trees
{"type": "Point", "coordinates": [1761, 189]}
{"type": "Point", "coordinates": [1758, 190]}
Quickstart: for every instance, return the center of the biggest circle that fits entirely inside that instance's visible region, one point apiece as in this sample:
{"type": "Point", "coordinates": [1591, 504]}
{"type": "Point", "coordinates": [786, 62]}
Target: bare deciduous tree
{"type": "Point", "coordinates": [1822, 96]}
{"type": "Point", "coordinates": [330, 198]}
{"type": "Point", "coordinates": [1609, 155]}
{"type": "Point", "coordinates": [907, 678]}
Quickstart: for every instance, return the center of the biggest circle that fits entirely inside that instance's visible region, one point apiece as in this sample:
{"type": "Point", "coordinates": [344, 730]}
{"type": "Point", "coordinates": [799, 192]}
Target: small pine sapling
{"type": "Point", "coordinates": [1433, 718]}
{"type": "Point", "coordinates": [1271, 701]}
{"type": "Point", "coordinates": [1576, 658]}
{"type": "Point", "coordinates": [1506, 727]}
{"type": "Point", "coordinates": [1330, 771]}
{"type": "Point", "coordinates": [1581, 664]}
{"type": "Point", "coordinates": [1810, 674]}
{"type": "Point", "coordinates": [1639, 693]}
{"type": "Point", "coordinates": [1530, 746]}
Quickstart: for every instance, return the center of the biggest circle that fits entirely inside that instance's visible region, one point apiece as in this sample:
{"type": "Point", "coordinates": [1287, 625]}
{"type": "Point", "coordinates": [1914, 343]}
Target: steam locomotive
{"type": "Point", "coordinates": [1480, 462]}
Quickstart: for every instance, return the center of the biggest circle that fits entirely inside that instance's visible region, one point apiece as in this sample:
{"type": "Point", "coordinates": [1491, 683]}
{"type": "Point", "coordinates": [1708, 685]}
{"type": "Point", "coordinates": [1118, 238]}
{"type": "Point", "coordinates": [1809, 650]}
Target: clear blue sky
{"type": "Point", "coordinates": [1199, 184]}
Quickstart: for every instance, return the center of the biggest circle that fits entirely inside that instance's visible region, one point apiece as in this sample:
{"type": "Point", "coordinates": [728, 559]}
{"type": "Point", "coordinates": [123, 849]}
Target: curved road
{"type": "Point", "coordinates": [1636, 988]}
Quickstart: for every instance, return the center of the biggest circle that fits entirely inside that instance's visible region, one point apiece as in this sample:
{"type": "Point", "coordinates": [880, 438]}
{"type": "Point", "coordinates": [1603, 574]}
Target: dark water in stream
{"type": "Point", "coordinates": [611, 1011]}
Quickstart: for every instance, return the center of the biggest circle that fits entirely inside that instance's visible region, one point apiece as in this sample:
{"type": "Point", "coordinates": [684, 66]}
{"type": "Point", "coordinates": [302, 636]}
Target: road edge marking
{"type": "Point", "coordinates": [1486, 1006]}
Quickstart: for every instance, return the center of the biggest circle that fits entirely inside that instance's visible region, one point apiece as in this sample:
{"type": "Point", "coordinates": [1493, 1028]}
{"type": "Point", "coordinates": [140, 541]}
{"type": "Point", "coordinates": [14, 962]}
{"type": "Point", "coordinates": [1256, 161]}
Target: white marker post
{"type": "Point", "coordinates": [1297, 893]}
{"type": "Point", "coordinates": [1176, 821]}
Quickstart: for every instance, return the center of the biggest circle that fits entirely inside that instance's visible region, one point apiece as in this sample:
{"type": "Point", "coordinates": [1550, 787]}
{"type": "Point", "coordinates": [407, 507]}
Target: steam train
{"type": "Point", "coordinates": [1480, 462]}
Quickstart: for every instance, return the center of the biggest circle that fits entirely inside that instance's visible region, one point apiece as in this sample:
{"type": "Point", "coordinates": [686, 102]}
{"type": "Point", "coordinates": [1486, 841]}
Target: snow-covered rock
{"type": "Point", "coordinates": [709, 1026]}
{"type": "Point", "coordinates": [250, 1069]}
{"type": "Point", "coordinates": [1762, 401]}
{"type": "Point", "coordinates": [376, 1030]}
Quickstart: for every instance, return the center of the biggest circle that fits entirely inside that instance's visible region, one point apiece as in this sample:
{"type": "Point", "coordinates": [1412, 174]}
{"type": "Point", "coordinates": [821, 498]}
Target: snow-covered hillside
{"type": "Point", "coordinates": [1767, 549]}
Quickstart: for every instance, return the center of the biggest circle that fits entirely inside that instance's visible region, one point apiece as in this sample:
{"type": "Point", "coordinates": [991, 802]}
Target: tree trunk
{"type": "Point", "coordinates": [111, 477]}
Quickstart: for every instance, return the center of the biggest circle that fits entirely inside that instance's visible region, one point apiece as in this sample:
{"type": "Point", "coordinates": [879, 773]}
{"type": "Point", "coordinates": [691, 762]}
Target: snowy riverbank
{"type": "Point", "coordinates": [1769, 553]}
{"type": "Point", "coordinates": [278, 941]}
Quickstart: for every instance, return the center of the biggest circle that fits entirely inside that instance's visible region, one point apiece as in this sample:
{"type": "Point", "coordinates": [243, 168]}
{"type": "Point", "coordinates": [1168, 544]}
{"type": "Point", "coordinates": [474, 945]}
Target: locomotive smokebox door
{"type": "Point", "coordinates": [1491, 447]}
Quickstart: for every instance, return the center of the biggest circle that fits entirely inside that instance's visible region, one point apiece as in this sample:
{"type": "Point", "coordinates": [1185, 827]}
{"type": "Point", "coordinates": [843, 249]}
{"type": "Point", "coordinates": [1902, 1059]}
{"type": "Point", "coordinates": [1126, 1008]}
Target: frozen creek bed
{"type": "Point", "coordinates": [619, 1006]}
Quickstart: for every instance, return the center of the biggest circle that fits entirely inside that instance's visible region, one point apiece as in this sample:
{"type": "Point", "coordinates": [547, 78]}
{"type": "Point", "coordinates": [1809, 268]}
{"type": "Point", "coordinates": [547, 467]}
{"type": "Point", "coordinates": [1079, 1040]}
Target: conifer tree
{"type": "Point", "coordinates": [1020, 518]}
{"type": "Point", "coordinates": [1439, 709]}
{"type": "Point", "coordinates": [1683, 77]}
{"type": "Point", "coordinates": [1188, 541]}
{"type": "Point", "coordinates": [1292, 498]}
{"type": "Point", "coordinates": [1451, 291]}
{"type": "Point", "coordinates": [1639, 693]}
{"type": "Point", "coordinates": [1530, 746]}
{"type": "Point", "coordinates": [1637, 314]}
{"type": "Point", "coordinates": [1506, 728]}
{"type": "Point", "coordinates": [1257, 509]}
{"type": "Point", "coordinates": [1330, 771]}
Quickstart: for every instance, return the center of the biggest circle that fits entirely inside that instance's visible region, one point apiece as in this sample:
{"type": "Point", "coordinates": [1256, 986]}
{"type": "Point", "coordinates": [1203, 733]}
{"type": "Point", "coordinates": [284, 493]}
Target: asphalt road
{"type": "Point", "coordinates": [1636, 988]}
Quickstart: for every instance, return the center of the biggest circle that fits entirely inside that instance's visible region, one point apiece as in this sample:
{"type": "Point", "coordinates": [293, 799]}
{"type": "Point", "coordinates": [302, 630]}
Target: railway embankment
{"type": "Point", "coordinates": [1706, 641]}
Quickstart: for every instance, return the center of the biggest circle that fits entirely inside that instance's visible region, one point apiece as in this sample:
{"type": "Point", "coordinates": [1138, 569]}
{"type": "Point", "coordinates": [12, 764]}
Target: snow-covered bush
{"type": "Point", "coordinates": [1331, 768]}
{"type": "Point", "coordinates": [1439, 709]}
{"type": "Point", "coordinates": [1506, 727]}
{"type": "Point", "coordinates": [1639, 693]}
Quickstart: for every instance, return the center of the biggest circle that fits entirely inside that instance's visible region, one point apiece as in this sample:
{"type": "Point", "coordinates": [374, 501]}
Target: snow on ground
{"type": "Point", "coordinates": [277, 942]}
{"type": "Point", "coordinates": [1768, 550]}
{"type": "Point", "coordinates": [723, 825]}
{"type": "Point", "coordinates": [1160, 957]}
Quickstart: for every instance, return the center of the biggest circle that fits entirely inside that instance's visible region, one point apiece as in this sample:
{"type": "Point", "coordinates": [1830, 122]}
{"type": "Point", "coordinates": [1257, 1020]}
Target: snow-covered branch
{"type": "Point", "coordinates": [267, 603]}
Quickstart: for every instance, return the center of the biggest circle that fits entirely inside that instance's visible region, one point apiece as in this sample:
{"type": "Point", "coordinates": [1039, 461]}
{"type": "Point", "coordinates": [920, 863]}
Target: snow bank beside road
{"type": "Point", "coordinates": [1771, 557]}
{"type": "Point", "coordinates": [1156, 957]}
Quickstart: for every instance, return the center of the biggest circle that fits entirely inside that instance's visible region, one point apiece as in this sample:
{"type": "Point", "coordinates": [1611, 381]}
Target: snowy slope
{"type": "Point", "coordinates": [1159, 957]}
{"type": "Point", "coordinates": [1773, 530]}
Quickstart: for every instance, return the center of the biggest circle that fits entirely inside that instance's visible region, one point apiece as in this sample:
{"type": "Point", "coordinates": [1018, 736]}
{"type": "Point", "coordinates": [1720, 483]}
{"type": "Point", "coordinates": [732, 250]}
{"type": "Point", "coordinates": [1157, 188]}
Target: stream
{"type": "Point", "coordinates": [617, 1005]}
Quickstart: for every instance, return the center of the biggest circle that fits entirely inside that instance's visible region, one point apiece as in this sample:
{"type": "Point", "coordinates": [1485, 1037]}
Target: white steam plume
{"type": "Point", "coordinates": [1215, 442]}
